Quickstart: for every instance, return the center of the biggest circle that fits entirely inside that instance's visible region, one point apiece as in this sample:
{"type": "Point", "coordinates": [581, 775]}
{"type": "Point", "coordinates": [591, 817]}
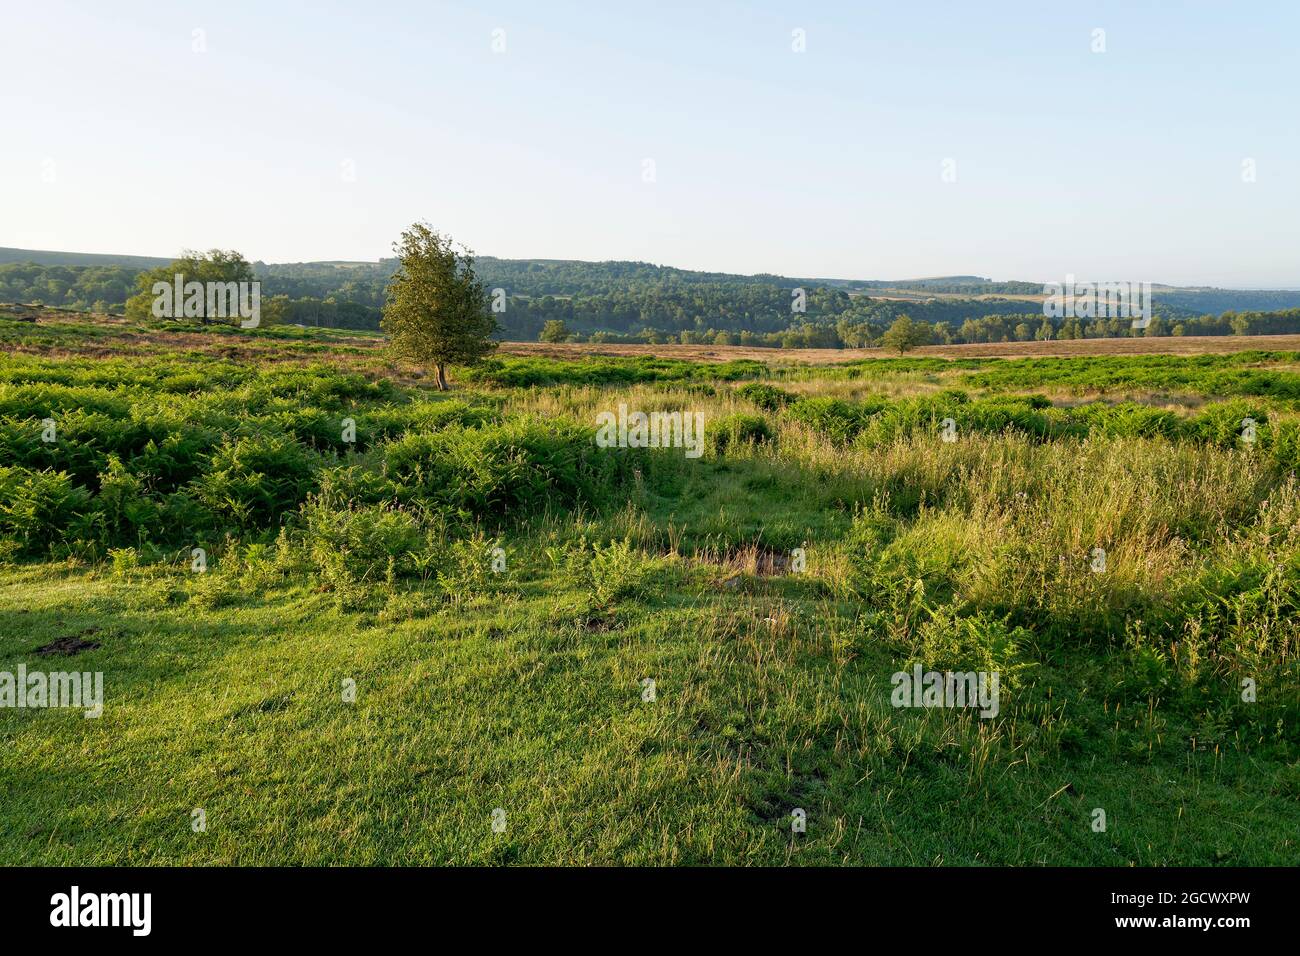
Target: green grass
{"type": "Point", "coordinates": [1241, 373]}
{"type": "Point", "coordinates": [372, 561]}
{"type": "Point", "coordinates": [532, 706]}
{"type": "Point", "coordinates": [523, 373]}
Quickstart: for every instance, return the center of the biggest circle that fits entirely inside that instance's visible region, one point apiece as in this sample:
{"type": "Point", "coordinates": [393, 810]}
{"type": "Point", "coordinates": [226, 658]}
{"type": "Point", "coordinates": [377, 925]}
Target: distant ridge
{"type": "Point", "coordinates": [44, 257]}
{"type": "Point", "coordinates": [617, 283]}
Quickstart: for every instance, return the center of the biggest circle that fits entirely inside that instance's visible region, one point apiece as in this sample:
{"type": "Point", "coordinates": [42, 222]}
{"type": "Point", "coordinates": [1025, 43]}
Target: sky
{"type": "Point", "coordinates": [1003, 139]}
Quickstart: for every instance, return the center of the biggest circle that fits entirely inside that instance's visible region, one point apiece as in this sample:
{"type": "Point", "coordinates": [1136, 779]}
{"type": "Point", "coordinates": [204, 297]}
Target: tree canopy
{"type": "Point", "coordinates": [436, 311]}
{"type": "Point", "coordinates": [216, 265]}
{"type": "Point", "coordinates": [905, 334]}
{"type": "Point", "coordinates": [554, 331]}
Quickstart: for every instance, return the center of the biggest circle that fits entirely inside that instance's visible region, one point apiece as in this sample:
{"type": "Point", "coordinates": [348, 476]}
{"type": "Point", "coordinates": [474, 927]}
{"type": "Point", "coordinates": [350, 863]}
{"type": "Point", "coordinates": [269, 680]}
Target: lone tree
{"type": "Point", "coordinates": [905, 334]}
{"type": "Point", "coordinates": [555, 331]}
{"type": "Point", "coordinates": [436, 309]}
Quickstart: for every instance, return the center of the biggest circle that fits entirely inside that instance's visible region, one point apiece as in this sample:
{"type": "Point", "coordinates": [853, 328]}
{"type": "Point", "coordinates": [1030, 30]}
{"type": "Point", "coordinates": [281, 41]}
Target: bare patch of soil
{"type": "Point", "coordinates": [73, 644]}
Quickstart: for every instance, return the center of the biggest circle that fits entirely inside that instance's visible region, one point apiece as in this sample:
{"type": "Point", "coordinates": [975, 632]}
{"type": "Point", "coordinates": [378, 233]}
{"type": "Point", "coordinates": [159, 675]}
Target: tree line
{"type": "Point", "coordinates": [639, 302]}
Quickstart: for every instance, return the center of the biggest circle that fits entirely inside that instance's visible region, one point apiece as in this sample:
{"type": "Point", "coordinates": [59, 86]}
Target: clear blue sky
{"type": "Point", "coordinates": [1125, 164]}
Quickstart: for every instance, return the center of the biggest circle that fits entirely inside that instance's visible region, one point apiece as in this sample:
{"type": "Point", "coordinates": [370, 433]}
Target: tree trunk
{"type": "Point", "coordinates": [442, 377]}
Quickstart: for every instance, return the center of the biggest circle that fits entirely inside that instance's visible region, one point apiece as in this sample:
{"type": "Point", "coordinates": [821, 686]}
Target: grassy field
{"type": "Point", "coordinates": [446, 613]}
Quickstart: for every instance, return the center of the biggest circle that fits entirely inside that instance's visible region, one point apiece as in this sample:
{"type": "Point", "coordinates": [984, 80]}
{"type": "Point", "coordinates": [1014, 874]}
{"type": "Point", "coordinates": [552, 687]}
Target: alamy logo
{"type": "Point", "coordinates": [179, 299]}
{"type": "Point", "coordinates": [38, 689]}
{"type": "Point", "coordinates": [103, 909]}
{"type": "Point", "coordinates": [1098, 300]}
{"type": "Point", "coordinates": [653, 430]}
{"type": "Point", "coordinates": [946, 689]}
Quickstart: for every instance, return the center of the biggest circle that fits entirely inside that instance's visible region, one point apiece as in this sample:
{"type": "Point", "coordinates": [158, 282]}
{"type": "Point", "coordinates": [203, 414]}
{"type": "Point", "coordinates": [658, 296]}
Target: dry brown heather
{"type": "Point", "coordinates": [221, 343]}
{"type": "Point", "coordinates": [1186, 345]}
{"type": "Point", "coordinates": [253, 347]}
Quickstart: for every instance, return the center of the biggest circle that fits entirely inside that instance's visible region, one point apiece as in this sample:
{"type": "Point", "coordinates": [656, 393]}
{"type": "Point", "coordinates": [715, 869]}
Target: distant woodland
{"type": "Point", "coordinates": [639, 302]}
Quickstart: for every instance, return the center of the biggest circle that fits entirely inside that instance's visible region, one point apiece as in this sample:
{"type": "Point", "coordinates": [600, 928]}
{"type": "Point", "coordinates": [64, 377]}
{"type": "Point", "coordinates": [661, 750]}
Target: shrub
{"type": "Point", "coordinates": [122, 509]}
{"type": "Point", "coordinates": [466, 572]}
{"type": "Point", "coordinates": [518, 467]}
{"type": "Point", "coordinates": [528, 372]}
{"type": "Point", "coordinates": [767, 397]}
{"type": "Point", "coordinates": [981, 642]}
{"type": "Point", "coordinates": [730, 430]}
{"type": "Point", "coordinates": [1222, 423]}
{"type": "Point", "coordinates": [361, 543]}
{"type": "Point", "coordinates": [253, 480]}
{"type": "Point", "coordinates": [838, 420]}
{"type": "Point", "coordinates": [36, 507]}
{"type": "Point", "coordinates": [607, 573]}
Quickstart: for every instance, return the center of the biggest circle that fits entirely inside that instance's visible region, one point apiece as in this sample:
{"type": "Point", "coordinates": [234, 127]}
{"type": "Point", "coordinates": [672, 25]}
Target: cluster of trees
{"type": "Point", "coordinates": [216, 266]}
{"type": "Point", "coordinates": [954, 285]}
{"type": "Point", "coordinates": [996, 328]}
{"type": "Point", "coordinates": [328, 313]}
{"type": "Point", "coordinates": [1165, 321]}
{"type": "Point", "coordinates": [902, 335]}
{"type": "Point", "coordinates": [1216, 301]}
{"type": "Point", "coordinates": [674, 307]}
{"type": "Point", "coordinates": [351, 304]}
{"type": "Point", "coordinates": [534, 278]}
{"type": "Point", "coordinates": [359, 283]}
{"type": "Point", "coordinates": [87, 288]}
